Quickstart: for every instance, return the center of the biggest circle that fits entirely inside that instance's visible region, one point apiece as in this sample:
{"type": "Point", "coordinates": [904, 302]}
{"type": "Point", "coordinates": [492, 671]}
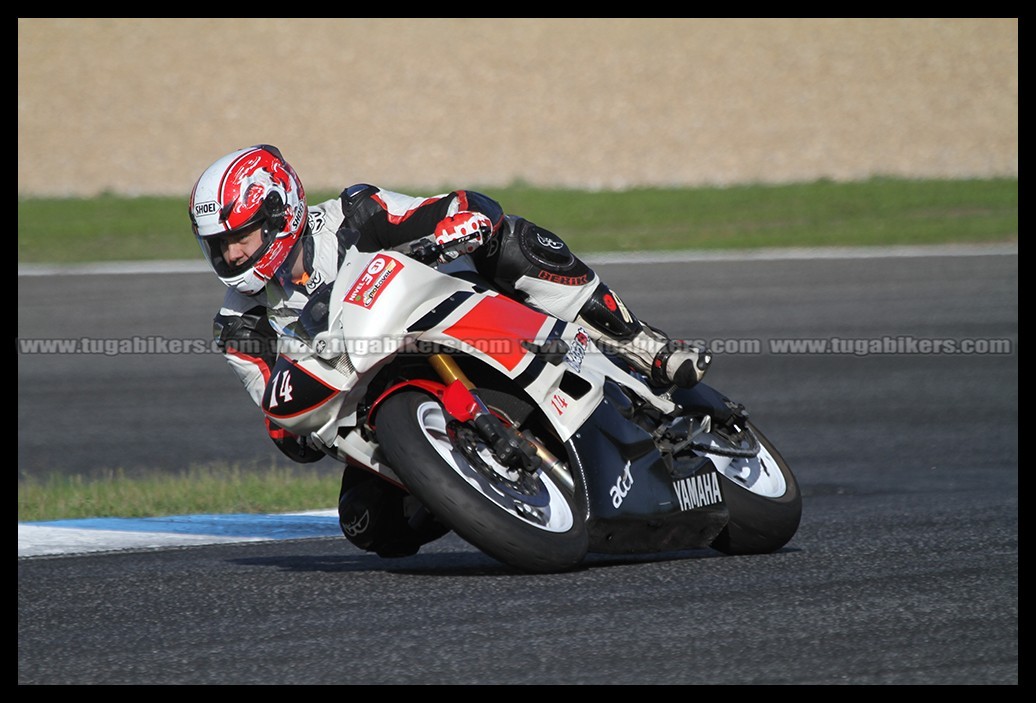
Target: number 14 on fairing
{"type": "Point", "coordinates": [281, 385]}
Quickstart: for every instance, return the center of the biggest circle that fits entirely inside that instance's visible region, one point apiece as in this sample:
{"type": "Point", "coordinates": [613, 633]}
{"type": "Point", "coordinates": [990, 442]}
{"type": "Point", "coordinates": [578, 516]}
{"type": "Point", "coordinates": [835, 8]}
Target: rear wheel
{"type": "Point", "coordinates": [762, 495]}
{"type": "Point", "coordinates": [526, 520]}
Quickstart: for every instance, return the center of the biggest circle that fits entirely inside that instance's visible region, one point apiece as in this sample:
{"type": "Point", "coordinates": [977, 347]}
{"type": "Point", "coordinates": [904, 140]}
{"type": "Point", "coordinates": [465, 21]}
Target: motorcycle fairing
{"type": "Point", "coordinates": [388, 293]}
{"type": "Point", "coordinates": [294, 394]}
{"type": "Point", "coordinates": [412, 306]}
{"type": "Point", "coordinates": [646, 503]}
{"type": "Point", "coordinates": [702, 399]}
{"type": "Point", "coordinates": [385, 303]}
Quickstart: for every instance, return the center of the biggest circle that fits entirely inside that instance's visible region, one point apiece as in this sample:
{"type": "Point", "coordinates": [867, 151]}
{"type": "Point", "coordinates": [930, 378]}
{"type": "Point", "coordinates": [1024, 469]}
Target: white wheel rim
{"type": "Point", "coordinates": [555, 516]}
{"type": "Point", "coordinates": [759, 474]}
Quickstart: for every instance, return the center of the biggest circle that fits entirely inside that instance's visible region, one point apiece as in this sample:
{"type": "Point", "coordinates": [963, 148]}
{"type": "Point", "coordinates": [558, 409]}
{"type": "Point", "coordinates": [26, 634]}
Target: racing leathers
{"type": "Point", "coordinates": [523, 260]}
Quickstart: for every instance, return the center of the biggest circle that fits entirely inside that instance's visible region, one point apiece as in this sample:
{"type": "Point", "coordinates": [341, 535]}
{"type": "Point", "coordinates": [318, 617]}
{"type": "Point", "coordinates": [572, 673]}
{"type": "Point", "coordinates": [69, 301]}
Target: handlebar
{"type": "Point", "coordinates": [425, 250]}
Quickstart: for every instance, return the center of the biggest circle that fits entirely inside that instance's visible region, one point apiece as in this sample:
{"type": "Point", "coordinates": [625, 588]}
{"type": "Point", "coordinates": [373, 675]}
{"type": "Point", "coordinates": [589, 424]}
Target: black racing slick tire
{"type": "Point", "coordinates": [763, 498]}
{"type": "Point", "coordinates": [527, 521]}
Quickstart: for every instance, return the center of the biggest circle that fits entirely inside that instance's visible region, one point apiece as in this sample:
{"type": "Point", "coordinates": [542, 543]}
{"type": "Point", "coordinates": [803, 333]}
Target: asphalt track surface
{"type": "Point", "coordinates": [904, 570]}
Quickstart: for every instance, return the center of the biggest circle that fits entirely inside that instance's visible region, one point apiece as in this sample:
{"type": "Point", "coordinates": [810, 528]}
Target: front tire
{"type": "Point", "coordinates": [763, 498]}
{"type": "Point", "coordinates": [526, 521]}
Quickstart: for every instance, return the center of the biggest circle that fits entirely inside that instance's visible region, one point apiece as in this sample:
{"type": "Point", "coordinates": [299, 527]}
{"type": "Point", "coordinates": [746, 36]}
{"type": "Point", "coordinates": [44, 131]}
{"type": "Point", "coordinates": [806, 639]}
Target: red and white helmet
{"type": "Point", "coordinates": [242, 189]}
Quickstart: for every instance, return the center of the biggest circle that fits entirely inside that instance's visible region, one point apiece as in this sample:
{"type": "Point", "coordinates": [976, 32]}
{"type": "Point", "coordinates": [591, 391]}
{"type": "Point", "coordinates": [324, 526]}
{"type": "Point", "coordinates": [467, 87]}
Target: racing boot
{"type": "Point", "coordinates": [379, 517]}
{"type": "Point", "coordinates": [663, 360]}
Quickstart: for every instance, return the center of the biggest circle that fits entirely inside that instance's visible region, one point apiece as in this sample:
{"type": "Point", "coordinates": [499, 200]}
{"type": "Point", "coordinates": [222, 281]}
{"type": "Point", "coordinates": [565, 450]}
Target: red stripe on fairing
{"type": "Point", "coordinates": [497, 326]}
{"type": "Point", "coordinates": [258, 362]}
{"type": "Point", "coordinates": [396, 219]}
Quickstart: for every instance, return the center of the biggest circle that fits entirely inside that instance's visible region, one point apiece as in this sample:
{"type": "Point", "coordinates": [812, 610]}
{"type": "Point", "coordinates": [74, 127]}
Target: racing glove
{"type": "Point", "coordinates": [462, 233]}
{"type": "Point", "coordinates": [292, 445]}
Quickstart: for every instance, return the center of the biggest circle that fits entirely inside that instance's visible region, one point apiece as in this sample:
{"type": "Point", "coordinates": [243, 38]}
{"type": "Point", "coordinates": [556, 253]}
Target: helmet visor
{"type": "Point", "coordinates": [235, 251]}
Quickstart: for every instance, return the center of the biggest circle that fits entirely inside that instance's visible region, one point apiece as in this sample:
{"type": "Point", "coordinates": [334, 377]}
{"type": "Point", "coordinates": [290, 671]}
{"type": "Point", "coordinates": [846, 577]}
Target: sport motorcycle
{"type": "Point", "coordinates": [514, 428]}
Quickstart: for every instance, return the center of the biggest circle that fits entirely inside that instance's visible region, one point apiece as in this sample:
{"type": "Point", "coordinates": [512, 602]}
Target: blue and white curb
{"type": "Point", "coordinates": [59, 537]}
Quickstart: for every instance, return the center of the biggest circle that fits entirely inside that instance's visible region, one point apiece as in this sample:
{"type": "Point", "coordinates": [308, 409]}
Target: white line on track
{"type": "Point", "coordinates": [630, 257]}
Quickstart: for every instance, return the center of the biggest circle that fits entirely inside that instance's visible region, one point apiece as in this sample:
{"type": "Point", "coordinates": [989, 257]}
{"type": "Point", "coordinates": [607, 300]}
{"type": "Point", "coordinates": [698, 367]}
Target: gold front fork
{"type": "Point", "coordinates": [450, 372]}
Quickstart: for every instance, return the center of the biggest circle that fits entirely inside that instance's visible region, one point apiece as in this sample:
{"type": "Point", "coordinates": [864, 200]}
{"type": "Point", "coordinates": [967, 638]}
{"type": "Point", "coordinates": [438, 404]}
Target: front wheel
{"type": "Point", "coordinates": [528, 521]}
{"type": "Point", "coordinates": [763, 498]}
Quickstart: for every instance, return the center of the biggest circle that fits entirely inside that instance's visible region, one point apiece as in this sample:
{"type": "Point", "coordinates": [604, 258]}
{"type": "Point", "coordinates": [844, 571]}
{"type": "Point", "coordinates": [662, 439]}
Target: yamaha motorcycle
{"type": "Point", "coordinates": [513, 428]}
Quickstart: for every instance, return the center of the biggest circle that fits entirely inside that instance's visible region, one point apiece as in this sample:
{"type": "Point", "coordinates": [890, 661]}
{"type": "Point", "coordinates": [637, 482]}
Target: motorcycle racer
{"type": "Point", "coordinates": [272, 250]}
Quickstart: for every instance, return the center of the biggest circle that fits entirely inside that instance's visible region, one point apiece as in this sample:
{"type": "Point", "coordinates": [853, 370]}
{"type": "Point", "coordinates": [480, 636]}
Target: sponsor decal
{"type": "Point", "coordinates": [314, 281]}
{"type": "Point", "coordinates": [564, 280]}
{"type": "Point", "coordinates": [316, 220]}
{"type": "Point", "coordinates": [698, 491]}
{"type": "Point", "coordinates": [206, 208]}
{"type": "Point", "coordinates": [622, 307]}
{"type": "Point", "coordinates": [296, 220]}
{"type": "Point", "coordinates": [577, 351]}
{"type": "Point", "coordinates": [370, 284]}
{"type": "Point", "coordinates": [622, 486]}
{"type": "Point", "coordinates": [492, 247]}
{"type": "Point", "coordinates": [357, 526]}
{"type": "Point", "coordinates": [549, 243]}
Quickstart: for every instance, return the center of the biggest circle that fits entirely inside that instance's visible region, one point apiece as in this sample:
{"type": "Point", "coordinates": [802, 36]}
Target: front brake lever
{"type": "Point", "coordinates": [424, 250]}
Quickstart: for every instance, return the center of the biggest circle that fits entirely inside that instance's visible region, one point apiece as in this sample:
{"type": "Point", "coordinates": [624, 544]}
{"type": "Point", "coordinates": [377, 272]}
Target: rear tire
{"type": "Point", "coordinates": [763, 498]}
{"type": "Point", "coordinates": [528, 522]}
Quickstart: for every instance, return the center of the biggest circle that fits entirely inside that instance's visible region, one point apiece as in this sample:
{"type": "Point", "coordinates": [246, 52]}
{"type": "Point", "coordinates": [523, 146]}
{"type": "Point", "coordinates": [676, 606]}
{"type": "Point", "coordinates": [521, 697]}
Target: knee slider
{"type": "Point", "coordinates": [550, 257]}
